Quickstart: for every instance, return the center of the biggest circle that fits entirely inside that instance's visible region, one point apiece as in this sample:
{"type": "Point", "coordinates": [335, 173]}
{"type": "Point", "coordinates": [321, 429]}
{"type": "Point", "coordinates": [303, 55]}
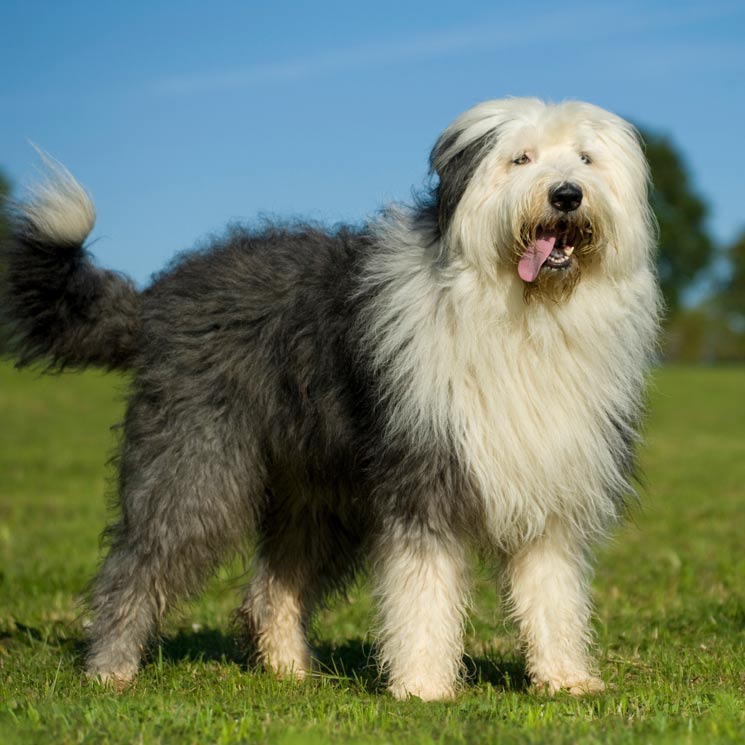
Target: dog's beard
{"type": "Point", "coordinates": [553, 255]}
{"type": "Point", "coordinates": [553, 286]}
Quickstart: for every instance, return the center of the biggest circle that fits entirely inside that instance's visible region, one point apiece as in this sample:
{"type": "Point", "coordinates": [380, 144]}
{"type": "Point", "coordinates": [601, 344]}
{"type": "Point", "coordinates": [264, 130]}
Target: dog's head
{"type": "Point", "coordinates": [545, 192]}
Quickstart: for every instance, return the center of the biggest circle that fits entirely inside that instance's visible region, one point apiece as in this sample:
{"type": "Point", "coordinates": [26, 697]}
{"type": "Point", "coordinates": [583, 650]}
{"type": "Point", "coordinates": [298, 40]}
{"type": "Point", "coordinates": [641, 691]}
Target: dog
{"type": "Point", "coordinates": [465, 371]}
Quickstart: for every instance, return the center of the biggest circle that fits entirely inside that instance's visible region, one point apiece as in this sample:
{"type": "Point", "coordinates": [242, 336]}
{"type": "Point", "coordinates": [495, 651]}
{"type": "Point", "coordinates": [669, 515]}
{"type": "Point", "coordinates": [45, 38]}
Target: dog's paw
{"type": "Point", "coordinates": [588, 685]}
{"type": "Point", "coordinates": [290, 672]}
{"type": "Point", "coordinates": [424, 690]}
{"type": "Point", "coordinates": [576, 685]}
{"type": "Point", "coordinates": [118, 679]}
{"type": "Point", "coordinates": [288, 666]}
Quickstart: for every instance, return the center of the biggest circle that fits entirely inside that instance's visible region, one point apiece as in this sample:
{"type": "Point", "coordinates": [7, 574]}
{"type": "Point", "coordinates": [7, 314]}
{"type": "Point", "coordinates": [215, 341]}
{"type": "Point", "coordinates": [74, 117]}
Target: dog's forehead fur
{"type": "Point", "coordinates": [527, 122]}
{"type": "Point", "coordinates": [488, 200]}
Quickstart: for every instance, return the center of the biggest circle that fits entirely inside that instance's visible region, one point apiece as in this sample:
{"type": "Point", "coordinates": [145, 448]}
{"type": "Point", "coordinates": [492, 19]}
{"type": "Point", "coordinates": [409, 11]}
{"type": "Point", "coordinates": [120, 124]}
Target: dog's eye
{"type": "Point", "coordinates": [522, 160]}
{"type": "Point", "coordinates": [585, 158]}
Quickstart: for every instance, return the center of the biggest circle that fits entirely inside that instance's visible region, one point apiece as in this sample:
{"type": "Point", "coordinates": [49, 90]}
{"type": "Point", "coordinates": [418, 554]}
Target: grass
{"type": "Point", "coordinates": [670, 597]}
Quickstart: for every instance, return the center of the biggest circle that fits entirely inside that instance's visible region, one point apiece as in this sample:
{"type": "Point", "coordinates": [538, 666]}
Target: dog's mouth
{"type": "Point", "coordinates": [551, 249]}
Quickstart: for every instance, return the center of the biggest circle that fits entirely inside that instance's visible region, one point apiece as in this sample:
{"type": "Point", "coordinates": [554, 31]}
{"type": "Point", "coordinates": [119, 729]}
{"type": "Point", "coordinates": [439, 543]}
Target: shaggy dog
{"type": "Point", "coordinates": [466, 371]}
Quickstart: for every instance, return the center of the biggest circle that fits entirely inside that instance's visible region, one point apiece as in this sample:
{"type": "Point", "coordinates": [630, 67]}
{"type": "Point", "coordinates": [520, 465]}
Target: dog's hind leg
{"type": "Point", "coordinates": [186, 497]}
{"type": "Point", "coordinates": [275, 611]}
{"type": "Point", "coordinates": [421, 581]}
{"type": "Point", "coordinates": [549, 599]}
{"type": "Point", "coordinates": [305, 552]}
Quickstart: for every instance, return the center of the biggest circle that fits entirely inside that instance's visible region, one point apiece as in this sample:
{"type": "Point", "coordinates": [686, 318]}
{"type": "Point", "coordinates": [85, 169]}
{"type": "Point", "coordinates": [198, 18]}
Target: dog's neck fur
{"type": "Point", "coordinates": [526, 388]}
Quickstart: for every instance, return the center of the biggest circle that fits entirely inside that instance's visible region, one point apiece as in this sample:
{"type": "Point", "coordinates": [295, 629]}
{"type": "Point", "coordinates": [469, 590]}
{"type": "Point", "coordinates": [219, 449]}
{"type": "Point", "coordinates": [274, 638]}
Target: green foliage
{"type": "Point", "coordinates": [4, 193]}
{"type": "Point", "coordinates": [704, 334]}
{"type": "Point", "coordinates": [732, 292]}
{"type": "Point", "coordinates": [669, 595]}
{"type": "Point", "coordinates": [4, 187]}
{"type": "Point", "coordinates": [686, 249]}
{"type": "Point", "coordinates": [714, 330]}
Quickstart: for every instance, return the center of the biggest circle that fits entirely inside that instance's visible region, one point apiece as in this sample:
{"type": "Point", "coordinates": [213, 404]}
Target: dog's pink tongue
{"type": "Point", "coordinates": [535, 256]}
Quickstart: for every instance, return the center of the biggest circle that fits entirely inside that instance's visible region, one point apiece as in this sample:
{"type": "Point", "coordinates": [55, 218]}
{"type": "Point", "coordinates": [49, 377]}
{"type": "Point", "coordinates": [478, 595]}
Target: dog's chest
{"type": "Point", "coordinates": [531, 436]}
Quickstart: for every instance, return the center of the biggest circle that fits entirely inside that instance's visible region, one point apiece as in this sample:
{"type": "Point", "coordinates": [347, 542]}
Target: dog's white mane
{"type": "Point", "coordinates": [536, 396]}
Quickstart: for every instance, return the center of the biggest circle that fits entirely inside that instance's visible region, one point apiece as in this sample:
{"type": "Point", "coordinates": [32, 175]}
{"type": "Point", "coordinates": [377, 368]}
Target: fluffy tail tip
{"type": "Point", "coordinates": [58, 209]}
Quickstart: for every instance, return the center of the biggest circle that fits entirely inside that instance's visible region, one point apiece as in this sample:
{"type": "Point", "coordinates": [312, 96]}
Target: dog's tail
{"type": "Point", "coordinates": [62, 310]}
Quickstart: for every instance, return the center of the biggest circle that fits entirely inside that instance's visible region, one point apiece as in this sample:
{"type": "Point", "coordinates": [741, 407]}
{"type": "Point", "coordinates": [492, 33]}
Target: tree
{"type": "Point", "coordinates": [4, 193]}
{"type": "Point", "coordinates": [732, 292]}
{"type": "Point", "coordinates": [686, 249]}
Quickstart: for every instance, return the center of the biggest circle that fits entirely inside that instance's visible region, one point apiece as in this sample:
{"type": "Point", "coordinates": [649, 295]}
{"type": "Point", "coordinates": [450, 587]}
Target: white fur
{"type": "Point", "coordinates": [422, 591]}
{"type": "Point", "coordinates": [530, 392]}
{"type": "Point", "coordinates": [467, 356]}
{"type": "Point", "coordinates": [502, 196]}
{"type": "Point", "coordinates": [548, 598]}
{"type": "Point", "coordinates": [274, 609]}
{"type": "Point", "coordinates": [60, 210]}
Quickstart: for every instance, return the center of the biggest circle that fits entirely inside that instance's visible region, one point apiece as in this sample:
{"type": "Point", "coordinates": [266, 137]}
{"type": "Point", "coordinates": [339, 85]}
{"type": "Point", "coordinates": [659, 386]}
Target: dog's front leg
{"type": "Point", "coordinates": [421, 585]}
{"type": "Point", "coordinates": [549, 599]}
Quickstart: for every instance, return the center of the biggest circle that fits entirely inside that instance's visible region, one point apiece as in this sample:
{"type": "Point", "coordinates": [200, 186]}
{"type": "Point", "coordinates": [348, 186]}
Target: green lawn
{"type": "Point", "coordinates": [670, 596]}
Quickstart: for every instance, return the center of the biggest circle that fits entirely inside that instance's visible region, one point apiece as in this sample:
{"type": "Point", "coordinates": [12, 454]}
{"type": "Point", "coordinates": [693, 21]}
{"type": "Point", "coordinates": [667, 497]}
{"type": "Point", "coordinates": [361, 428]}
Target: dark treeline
{"type": "Point", "coordinates": [703, 283]}
{"type": "Point", "coordinates": [4, 192]}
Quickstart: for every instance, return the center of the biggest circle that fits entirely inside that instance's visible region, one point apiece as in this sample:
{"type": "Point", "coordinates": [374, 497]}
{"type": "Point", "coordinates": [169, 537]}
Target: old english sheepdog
{"type": "Point", "coordinates": [467, 371]}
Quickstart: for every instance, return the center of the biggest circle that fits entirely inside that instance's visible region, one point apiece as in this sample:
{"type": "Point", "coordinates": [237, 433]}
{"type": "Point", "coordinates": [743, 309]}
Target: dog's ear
{"type": "Point", "coordinates": [454, 167]}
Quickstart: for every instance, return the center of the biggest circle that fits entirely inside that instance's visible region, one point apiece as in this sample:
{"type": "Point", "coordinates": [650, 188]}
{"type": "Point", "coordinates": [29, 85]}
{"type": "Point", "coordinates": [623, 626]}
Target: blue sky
{"type": "Point", "coordinates": [182, 116]}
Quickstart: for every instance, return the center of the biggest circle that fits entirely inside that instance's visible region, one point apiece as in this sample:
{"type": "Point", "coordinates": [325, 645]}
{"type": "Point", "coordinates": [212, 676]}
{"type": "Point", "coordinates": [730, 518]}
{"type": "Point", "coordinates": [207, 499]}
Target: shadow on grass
{"type": "Point", "coordinates": [57, 636]}
{"type": "Point", "coordinates": [349, 664]}
{"type": "Point", "coordinates": [206, 644]}
{"type": "Point", "coordinates": [354, 661]}
{"type": "Point", "coordinates": [507, 674]}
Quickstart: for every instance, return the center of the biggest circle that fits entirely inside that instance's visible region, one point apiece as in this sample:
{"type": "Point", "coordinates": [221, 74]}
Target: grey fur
{"type": "Point", "coordinates": [251, 396]}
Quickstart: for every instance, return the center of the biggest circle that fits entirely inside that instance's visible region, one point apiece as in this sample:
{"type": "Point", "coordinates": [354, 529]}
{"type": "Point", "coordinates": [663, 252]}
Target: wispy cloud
{"type": "Point", "coordinates": [362, 56]}
{"type": "Point", "coordinates": [588, 23]}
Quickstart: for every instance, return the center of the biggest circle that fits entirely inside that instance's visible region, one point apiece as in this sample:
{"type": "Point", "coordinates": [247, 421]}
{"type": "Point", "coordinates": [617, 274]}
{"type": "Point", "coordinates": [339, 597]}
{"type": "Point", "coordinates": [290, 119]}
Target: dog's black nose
{"type": "Point", "coordinates": [565, 197]}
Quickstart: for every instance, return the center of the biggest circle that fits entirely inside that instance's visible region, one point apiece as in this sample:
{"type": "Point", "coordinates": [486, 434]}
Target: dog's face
{"type": "Point", "coordinates": [546, 193]}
